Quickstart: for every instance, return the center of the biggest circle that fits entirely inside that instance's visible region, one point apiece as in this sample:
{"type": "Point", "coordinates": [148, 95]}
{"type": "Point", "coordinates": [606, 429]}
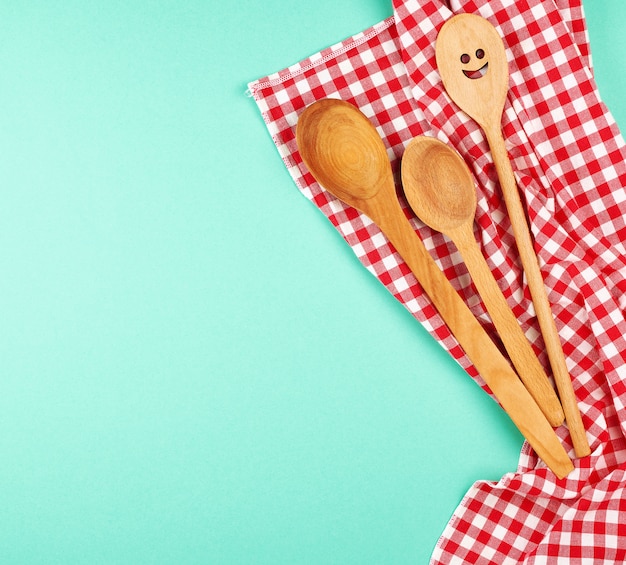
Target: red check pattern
{"type": "Point", "coordinates": [570, 163]}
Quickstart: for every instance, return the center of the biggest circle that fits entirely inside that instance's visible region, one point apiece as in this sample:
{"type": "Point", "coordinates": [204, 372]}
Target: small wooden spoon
{"type": "Point", "coordinates": [345, 154]}
{"type": "Point", "coordinates": [440, 189]}
{"type": "Point", "coordinates": [472, 62]}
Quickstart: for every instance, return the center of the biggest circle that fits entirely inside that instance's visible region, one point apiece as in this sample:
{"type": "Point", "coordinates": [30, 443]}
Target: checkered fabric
{"type": "Point", "coordinates": [570, 164]}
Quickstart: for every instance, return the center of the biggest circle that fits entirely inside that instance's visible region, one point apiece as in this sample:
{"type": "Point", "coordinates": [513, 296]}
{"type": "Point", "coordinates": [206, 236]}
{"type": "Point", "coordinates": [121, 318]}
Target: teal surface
{"type": "Point", "coordinates": [194, 368]}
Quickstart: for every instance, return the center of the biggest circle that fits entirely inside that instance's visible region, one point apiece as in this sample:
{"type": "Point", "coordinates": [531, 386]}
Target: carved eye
{"type": "Point", "coordinates": [465, 58]}
{"type": "Point", "coordinates": [480, 53]}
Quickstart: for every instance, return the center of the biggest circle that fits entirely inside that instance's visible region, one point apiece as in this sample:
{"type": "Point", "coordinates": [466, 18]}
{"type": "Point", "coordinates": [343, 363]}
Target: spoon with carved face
{"type": "Point", "coordinates": [471, 59]}
{"type": "Point", "coordinates": [440, 190]}
{"type": "Point", "coordinates": [344, 152]}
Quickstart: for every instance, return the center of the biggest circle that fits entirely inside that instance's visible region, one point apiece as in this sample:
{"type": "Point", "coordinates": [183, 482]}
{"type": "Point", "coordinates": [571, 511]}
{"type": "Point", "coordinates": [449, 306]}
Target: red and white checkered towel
{"type": "Point", "coordinates": [570, 163]}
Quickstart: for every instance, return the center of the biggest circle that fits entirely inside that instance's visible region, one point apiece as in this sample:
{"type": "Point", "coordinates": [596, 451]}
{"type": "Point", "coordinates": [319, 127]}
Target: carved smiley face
{"type": "Point", "coordinates": [474, 67]}
{"type": "Point", "coordinates": [472, 62]}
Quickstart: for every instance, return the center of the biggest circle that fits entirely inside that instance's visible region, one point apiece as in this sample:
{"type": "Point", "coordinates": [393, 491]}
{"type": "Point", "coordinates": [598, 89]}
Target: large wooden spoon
{"type": "Point", "coordinates": [345, 154]}
{"type": "Point", "coordinates": [440, 189]}
{"type": "Point", "coordinates": [472, 62]}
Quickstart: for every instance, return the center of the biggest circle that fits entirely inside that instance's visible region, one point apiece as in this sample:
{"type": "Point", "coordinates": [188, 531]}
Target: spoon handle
{"type": "Point", "coordinates": [537, 289]}
{"type": "Point", "coordinates": [517, 345]}
{"type": "Point", "coordinates": [481, 350]}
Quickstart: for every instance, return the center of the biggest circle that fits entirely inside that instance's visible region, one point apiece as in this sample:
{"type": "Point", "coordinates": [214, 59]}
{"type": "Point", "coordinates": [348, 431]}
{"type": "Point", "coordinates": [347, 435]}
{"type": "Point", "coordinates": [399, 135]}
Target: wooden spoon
{"type": "Point", "coordinates": [345, 154]}
{"type": "Point", "coordinates": [473, 66]}
{"type": "Point", "coordinates": [440, 189]}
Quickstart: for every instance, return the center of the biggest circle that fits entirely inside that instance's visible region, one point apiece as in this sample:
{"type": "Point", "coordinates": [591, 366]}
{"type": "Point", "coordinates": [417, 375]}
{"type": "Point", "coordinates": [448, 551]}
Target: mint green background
{"type": "Point", "coordinates": [193, 367]}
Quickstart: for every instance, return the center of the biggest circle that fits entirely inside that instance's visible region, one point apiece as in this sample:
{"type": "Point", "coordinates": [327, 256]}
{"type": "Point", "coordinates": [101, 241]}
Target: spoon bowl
{"type": "Point", "coordinates": [472, 62]}
{"type": "Point", "coordinates": [438, 185]}
{"type": "Point", "coordinates": [343, 150]}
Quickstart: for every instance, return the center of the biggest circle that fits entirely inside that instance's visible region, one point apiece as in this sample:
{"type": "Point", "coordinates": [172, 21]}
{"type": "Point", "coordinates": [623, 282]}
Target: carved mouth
{"type": "Point", "coordinates": [478, 73]}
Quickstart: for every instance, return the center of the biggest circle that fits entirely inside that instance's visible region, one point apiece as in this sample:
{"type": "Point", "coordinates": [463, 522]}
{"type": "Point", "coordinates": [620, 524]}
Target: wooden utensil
{"type": "Point", "coordinates": [440, 189]}
{"type": "Point", "coordinates": [472, 62]}
{"type": "Point", "coordinates": [344, 152]}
